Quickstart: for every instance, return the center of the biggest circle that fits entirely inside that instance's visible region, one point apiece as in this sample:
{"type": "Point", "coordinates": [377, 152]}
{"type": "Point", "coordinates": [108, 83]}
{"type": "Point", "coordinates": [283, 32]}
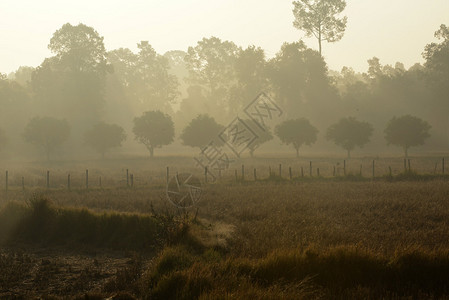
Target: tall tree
{"type": "Point", "coordinates": [154, 129]}
{"type": "Point", "coordinates": [71, 83]}
{"type": "Point", "coordinates": [407, 131]}
{"type": "Point", "coordinates": [319, 18]}
{"type": "Point", "coordinates": [211, 65]}
{"type": "Point", "coordinates": [296, 132]}
{"type": "Point", "coordinates": [350, 133]}
{"type": "Point", "coordinates": [47, 133]}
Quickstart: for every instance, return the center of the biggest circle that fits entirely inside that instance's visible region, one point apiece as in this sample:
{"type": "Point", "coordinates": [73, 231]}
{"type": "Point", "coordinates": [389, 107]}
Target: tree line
{"type": "Point", "coordinates": [154, 129]}
{"type": "Point", "coordinates": [90, 87]}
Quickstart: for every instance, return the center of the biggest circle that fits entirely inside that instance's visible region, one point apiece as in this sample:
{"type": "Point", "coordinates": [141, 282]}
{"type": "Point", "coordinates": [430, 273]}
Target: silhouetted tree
{"type": "Point", "coordinates": [154, 129]}
{"type": "Point", "coordinates": [47, 133]}
{"type": "Point", "coordinates": [211, 65]}
{"type": "Point", "coordinates": [103, 137]}
{"type": "Point", "coordinates": [201, 131]}
{"type": "Point", "coordinates": [262, 138]}
{"type": "Point", "coordinates": [72, 82]}
{"type": "Point", "coordinates": [145, 77]}
{"type": "Point", "coordinates": [296, 132]}
{"type": "Point", "coordinates": [319, 18]}
{"type": "Point", "coordinates": [23, 75]}
{"type": "Point", "coordinates": [350, 133]}
{"type": "Point", "coordinates": [407, 131]}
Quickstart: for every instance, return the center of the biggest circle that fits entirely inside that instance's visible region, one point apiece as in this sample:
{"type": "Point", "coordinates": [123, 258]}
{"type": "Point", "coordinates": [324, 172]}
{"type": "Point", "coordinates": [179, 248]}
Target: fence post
{"type": "Point", "coordinates": [405, 164]}
{"type": "Point", "coordinates": [318, 172]}
{"type": "Point", "coordinates": [87, 179]}
{"type": "Point", "coordinates": [48, 180]}
{"type": "Point", "coordinates": [344, 167]}
{"type": "Point", "coordinates": [373, 168]}
{"type": "Point", "coordinates": [6, 182]}
{"type": "Point", "coordinates": [255, 175]}
{"type": "Point", "coordinates": [269, 170]}
{"type": "Point", "coordinates": [23, 183]}
{"type": "Point", "coordinates": [443, 166]}
{"type": "Point", "coordinates": [310, 168]}
{"type": "Point", "coordinates": [409, 165]}
{"type": "Point", "coordinates": [334, 171]}
{"type": "Point", "coordinates": [243, 172]}
{"type": "Point", "coordinates": [290, 172]}
{"type": "Point", "coordinates": [68, 182]}
{"type": "Point", "coordinates": [127, 178]}
{"type": "Point", "coordinates": [280, 170]}
{"type": "Point", "coordinates": [168, 173]}
{"type": "Point", "coordinates": [360, 170]}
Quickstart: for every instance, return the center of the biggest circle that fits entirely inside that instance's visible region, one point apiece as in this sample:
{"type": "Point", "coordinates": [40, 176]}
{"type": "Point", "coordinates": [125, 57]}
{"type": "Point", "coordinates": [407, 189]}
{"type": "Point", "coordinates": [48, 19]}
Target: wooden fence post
{"type": "Point", "coordinates": [409, 165]}
{"type": "Point", "coordinates": [443, 166]}
{"type": "Point", "coordinates": [318, 172]}
{"type": "Point", "coordinates": [280, 170]}
{"type": "Point", "coordinates": [87, 179]}
{"type": "Point", "coordinates": [255, 175]}
{"type": "Point", "coordinates": [23, 183]}
{"type": "Point", "coordinates": [6, 182]}
{"type": "Point", "coordinates": [344, 167]}
{"type": "Point", "coordinates": [290, 172]}
{"type": "Point", "coordinates": [127, 178]}
{"type": "Point", "coordinates": [310, 168]}
{"type": "Point", "coordinates": [373, 168]}
{"type": "Point", "coordinates": [68, 182]}
{"type": "Point", "coordinates": [48, 180]}
{"type": "Point", "coordinates": [168, 174]}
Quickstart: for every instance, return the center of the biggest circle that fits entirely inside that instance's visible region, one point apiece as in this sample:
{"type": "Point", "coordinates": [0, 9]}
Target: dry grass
{"type": "Point", "coordinates": [251, 238]}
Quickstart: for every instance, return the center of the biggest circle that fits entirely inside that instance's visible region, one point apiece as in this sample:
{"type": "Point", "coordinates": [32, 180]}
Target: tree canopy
{"type": "Point", "coordinates": [103, 137]}
{"type": "Point", "coordinates": [296, 132]}
{"type": "Point", "coordinates": [201, 131]}
{"type": "Point", "coordinates": [154, 129]}
{"type": "Point", "coordinates": [47, 133]}
{"type": "Point", "coordinates": [350, 133]}
{"type": "Point", "coordinates": [319, 18]}
{"type": "Point", "coordinates": [407, 131]}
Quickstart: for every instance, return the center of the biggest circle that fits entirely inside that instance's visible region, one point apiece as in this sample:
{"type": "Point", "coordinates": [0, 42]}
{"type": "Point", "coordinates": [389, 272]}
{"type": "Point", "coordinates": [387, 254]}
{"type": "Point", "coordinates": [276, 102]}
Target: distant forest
{"type": "Point", "coordinates": [85, 85]}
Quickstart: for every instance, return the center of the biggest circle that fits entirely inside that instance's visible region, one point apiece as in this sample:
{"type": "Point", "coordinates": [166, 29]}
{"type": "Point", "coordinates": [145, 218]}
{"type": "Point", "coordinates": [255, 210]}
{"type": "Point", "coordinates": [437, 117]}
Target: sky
{"type": "Point", "coordinates": [392, 30]}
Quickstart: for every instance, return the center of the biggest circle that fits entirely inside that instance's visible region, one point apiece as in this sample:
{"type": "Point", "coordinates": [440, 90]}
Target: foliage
{"type": "Point", "coordinates": [407, 131]}
{"type": "Point", "coordinates": [47, 132]}
{"type": "Point", "coordinates": [103, 137]}
{"type": "Point", "coordinates": [71, 83]}
{"type": "Point", "coordinates": [146, 77]}
{"type": "Point", "coordinates": [154, 129]}
{"type": "Point", "coordinates": [319, 18]}
{"type": "Point", "coordinates": [201, 131]}
{"type": "Point", "coordinates": [350, 133]}
{"type": "Point", "coordinates": [296, 132]}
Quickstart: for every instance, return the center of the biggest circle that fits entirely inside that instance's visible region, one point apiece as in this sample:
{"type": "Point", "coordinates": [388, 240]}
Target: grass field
{"type": "Point", "coordinates": [323, 237]}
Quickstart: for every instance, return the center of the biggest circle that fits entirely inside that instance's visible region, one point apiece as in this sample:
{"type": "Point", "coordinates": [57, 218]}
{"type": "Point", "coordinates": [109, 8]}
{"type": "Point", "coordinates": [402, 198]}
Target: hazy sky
{"type": "Point", "coordinates": [393, 30]}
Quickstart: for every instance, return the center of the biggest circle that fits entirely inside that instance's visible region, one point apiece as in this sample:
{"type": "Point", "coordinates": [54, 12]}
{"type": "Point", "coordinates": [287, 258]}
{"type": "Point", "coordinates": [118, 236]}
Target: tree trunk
{"type": "Point", "coordinates": [319, 39]}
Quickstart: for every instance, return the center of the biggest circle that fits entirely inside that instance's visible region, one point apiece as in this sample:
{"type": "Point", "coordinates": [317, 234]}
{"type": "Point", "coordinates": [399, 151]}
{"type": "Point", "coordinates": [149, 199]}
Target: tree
{"type": "Point", "coordinates": [407, 131]}
{"type": "Point", "coordinates": [154, 129]}
{"type": "Point", "coordinates": [296, 132]}
{"type": "Point", "coordinates": [262, 137]}
{"type": "Point", "coordinates": [145, 77]}
{"type": "Point", "coordinates": [201, 131]}
{"type": "Point", "coordinates": [103, 137]}
{"type": "Point", "coordinates": [211, 65]}
{"type": "Point", "coordinates": [48, 133]}
{"type": "Point", "coordinates": [319, 18]}
{"type": "Point", "coordinates": [350, 133]}
{"type": "Point", "coordinates": [72, 82]}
